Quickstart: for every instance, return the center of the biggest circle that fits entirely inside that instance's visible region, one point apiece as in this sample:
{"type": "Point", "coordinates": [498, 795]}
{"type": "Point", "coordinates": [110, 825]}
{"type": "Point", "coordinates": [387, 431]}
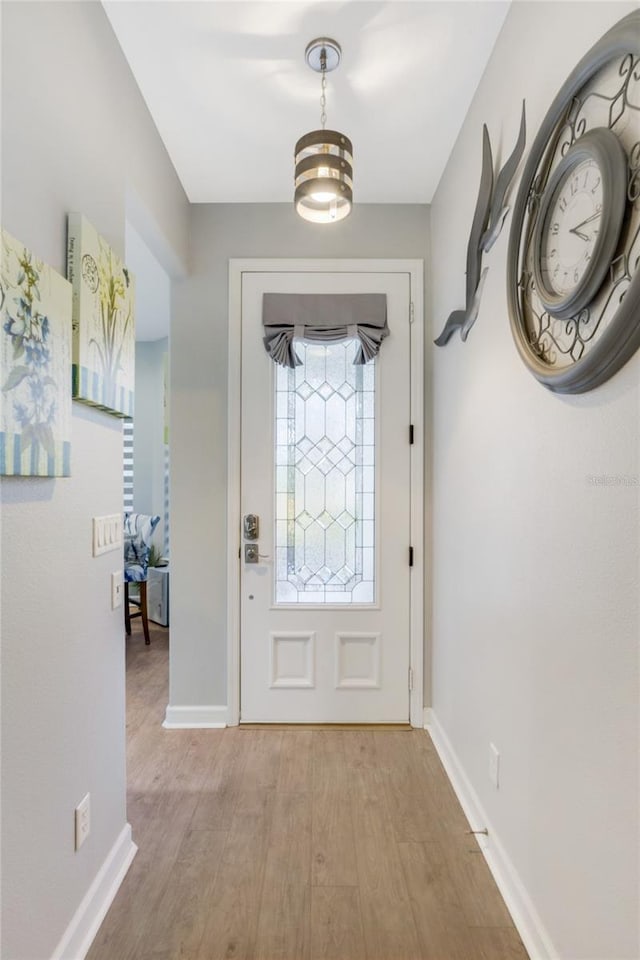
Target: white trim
{"type": "Point", "coordinates": [415, 269]}
{"type": "Point", "coordinates": [536, 939]}
{"type": "Point", "coordinates": [418, 571]}
{"type": "Point", "coordinates": [195, 717]}
{"type": "Point", "coordinates": [80, 933]}
{"type": "Point", "coordinates": [234, 402]}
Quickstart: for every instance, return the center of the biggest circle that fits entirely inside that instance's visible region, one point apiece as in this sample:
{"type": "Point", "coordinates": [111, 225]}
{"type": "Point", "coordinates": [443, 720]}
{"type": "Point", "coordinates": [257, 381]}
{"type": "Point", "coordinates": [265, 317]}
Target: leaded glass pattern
{"type": "Point", "coordinates": [325, 477]}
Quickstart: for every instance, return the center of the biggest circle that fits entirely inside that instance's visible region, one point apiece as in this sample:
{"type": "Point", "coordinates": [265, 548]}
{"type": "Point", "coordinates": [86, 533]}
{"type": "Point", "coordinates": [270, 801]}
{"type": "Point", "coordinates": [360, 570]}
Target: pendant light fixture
{"type": "Point", "coordinates": [323, 158]}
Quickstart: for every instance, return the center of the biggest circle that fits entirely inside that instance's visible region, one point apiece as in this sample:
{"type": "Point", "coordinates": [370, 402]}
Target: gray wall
{"type": "Point", "coordinates": [199, 405]}
{"type": "Point", "coordinates": [148, 435]}
{"type": "Point", "coordinates": [76, 135]}
{"type": "Point", "coordinates": [536, 571]}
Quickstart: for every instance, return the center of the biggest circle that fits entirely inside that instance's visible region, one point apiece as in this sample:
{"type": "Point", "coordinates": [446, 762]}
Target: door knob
{"type": "Point", "coordinates": [251, 554]}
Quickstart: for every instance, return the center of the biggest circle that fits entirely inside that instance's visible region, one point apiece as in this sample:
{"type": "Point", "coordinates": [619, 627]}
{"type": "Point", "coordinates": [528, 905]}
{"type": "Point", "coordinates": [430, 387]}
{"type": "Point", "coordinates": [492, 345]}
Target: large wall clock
{"type": "Point", "coordinates": [573, 270]}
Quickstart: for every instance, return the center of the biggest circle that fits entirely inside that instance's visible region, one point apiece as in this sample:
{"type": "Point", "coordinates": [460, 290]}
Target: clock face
{"type": "Point", "coordinates": [577, 223]}
{"type": "Point", "coordinates": [574, 248]}
{"type": "Point", "coordinates": [570, 228]}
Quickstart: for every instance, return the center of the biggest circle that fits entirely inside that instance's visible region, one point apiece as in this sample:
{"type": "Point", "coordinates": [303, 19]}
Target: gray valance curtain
{"type": "Point", "coordinates": [323, 317]}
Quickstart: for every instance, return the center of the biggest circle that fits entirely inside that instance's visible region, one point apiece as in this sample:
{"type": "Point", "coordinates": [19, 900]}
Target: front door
{"type": "Point", "coordinates": [325, 469]}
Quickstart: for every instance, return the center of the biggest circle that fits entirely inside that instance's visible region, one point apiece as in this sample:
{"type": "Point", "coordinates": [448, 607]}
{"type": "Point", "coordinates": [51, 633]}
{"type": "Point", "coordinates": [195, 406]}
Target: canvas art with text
{"type": "Point", "coordinates": [103, 321]}
{"type": "Point", "coordinates": [35, 365]}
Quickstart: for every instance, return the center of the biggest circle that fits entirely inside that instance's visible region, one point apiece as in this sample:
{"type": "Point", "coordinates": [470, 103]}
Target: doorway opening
{"type": "Point", "coordinates": [146, 452]}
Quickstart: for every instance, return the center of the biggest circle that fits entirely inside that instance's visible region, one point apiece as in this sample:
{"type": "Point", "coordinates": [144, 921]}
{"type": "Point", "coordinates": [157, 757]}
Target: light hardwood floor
{"type": "Point", "coordinates": [293, 844]}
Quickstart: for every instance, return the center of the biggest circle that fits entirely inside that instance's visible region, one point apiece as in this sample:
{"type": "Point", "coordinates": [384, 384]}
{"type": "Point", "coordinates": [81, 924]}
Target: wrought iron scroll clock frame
{"type": "Point", "coordinates": [578, 353]}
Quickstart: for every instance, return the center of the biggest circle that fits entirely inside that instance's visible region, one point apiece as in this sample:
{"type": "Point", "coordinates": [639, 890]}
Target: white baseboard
{"type": "Point", "coordinates": [525, 917]}
{"type": "Point", "coordinates": [196, 717]}
{"type": "Point", "coordinates": [86, 921]}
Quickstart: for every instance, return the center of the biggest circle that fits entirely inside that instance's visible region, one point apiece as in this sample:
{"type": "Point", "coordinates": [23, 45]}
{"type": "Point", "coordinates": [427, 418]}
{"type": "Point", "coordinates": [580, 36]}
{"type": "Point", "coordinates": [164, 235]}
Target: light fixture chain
{"type": "Point", "coordinates": [323, 97]}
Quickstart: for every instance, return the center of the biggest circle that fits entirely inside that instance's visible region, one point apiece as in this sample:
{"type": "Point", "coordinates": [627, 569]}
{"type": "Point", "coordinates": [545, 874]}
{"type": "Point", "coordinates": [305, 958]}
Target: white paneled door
{"type": "Point", "coordinates": [325, 469]}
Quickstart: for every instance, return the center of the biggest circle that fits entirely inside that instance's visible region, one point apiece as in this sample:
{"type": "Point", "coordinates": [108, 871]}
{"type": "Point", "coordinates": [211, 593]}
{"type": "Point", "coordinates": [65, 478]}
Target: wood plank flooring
{"type": "Point", "coordinates": [288, 844]}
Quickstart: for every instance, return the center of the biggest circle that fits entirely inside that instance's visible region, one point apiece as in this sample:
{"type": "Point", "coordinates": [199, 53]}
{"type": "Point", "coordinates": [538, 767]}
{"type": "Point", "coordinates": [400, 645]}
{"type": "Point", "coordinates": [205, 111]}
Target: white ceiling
{"type": "Point", "coordinates": [230, 93]}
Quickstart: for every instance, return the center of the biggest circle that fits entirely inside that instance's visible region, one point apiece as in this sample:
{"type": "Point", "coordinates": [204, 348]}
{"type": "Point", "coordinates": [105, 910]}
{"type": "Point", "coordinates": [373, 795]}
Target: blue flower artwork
{"type": "Point", "coordinates": [35, 366]}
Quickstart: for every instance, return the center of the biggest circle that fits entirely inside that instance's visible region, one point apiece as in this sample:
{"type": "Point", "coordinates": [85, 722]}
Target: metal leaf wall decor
{"type": "Point", "coordinates": [488, 220]}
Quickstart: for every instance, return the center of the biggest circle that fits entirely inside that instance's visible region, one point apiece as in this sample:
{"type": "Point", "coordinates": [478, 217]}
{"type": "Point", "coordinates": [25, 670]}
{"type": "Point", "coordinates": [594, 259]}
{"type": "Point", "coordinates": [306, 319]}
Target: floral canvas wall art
{"type": "Point", "coordinates": [35, 365]}
{"type": "Point", "coordinates": [103, 321]}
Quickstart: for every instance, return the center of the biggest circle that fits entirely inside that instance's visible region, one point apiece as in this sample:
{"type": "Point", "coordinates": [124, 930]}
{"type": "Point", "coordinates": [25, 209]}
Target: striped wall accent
{"type": "Point", "coordinates": [127, 463]}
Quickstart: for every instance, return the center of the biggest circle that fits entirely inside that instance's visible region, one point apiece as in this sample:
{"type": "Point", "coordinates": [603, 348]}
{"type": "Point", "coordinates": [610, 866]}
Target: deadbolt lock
{"type": "Point", "coordinates": [251, 526]}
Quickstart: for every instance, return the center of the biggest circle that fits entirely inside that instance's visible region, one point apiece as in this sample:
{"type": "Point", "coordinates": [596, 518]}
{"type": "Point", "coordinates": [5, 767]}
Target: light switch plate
{"type": "Point", "coordinates": [116, 589]}
{"type": "Point", "coordinates": [107, 534]}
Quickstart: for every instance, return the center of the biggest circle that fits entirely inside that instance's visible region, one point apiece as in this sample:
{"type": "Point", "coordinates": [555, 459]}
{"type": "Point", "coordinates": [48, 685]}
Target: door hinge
{"type": "Point", "coordinates": [410, 556]}
{"type": "Point", "coordinates": [411, 312]}
{"type": "Point", "coordinates": [410, 433]}
{"type": "Point", "coordinates": [410, 678]}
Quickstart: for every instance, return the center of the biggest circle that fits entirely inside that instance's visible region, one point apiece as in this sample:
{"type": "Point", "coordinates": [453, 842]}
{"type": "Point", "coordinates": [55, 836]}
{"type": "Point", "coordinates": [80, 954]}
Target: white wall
{"type": "Point", "coordinates": [536, 572]}
{"type": "Point", "coordinates": [76, 135]}
{"type": "Point", "coordinates": [148, 432]}
{"type": "Point", "coordinates": [198, 393]}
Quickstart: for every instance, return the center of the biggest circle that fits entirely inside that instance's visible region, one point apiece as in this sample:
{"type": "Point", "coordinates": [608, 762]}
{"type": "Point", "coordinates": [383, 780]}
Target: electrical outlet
{"type": "Point", "coordinates": [83, 820]}
{"type": "Point", "coordinates": [494, 765]}
{"type": "Point", "coordinates": [117, 588]}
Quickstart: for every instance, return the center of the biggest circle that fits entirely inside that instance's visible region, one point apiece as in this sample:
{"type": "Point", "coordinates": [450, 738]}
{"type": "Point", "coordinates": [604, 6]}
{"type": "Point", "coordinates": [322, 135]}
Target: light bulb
{"type": "Point", "coordinates": [323, 196]}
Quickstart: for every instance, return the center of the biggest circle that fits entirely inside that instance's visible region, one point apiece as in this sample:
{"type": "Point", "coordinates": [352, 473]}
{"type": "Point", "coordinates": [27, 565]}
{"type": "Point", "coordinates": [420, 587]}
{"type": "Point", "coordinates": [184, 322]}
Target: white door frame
{"type": "Point", "coordinates": [414, 268]}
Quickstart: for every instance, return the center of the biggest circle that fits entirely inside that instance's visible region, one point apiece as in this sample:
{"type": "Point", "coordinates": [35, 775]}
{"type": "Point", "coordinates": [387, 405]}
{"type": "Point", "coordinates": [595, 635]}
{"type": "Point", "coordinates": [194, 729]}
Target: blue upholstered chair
{"type": "Point", "coordinates": [138, 529]}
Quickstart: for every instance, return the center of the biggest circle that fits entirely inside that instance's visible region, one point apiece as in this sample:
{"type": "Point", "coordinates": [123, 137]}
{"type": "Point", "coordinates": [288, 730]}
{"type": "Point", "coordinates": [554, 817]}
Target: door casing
{"type": "Point", "coordinates": [415, 270]}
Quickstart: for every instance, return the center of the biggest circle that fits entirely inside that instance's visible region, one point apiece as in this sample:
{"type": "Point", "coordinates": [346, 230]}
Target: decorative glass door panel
{"type": "Point", "coordinates": [325, 477]}
{"type": "Point", "coordinates": [325, 482]}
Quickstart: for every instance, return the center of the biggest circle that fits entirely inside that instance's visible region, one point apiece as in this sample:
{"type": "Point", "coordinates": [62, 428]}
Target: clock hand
{"type": "Point", "coordinates": [583, 236]}
{"type": "Point", "coordinates": [576, 229]}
